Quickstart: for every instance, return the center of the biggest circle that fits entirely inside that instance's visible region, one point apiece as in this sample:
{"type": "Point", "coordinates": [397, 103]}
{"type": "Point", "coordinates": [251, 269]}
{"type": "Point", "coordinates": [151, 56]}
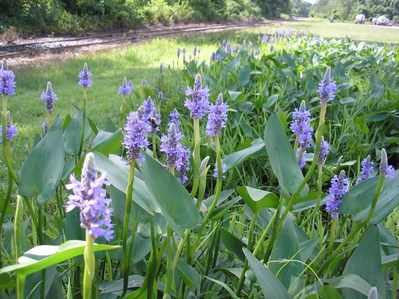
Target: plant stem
{"type": "Point", "coordinates": [20, 286]}
{"type": "Point", "coordinates": [82, 136]}
{"type": "Point", "coordinates": [128, 207]}
{"type": "Point", "coordinates": [218, 190]}
{"type": "Point", "coordinates": [197, 156]}
{"type": "Point", "coordinates": [394, 288]}
{"type": "Point", "coordinates": [7, 152]}
{"type": "Point", "coordinates": [88, 274]}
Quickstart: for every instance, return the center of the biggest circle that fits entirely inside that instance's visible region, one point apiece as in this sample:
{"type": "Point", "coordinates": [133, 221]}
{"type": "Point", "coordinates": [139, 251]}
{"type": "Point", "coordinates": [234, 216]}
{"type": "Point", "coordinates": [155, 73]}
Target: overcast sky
{"type": "Point", "coordinates": [310, 1]}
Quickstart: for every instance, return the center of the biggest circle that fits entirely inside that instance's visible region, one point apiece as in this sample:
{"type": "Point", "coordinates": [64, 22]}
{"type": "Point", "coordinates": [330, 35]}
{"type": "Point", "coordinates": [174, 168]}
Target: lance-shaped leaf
{"type": "Point", "coordinates": [258, 199]}
{"type": "Point", "coordinates": [176, 203]}
{"type": "Point", "coordinates": [42, 170]}
{"type": "Point", "coordinates": [282, 158]}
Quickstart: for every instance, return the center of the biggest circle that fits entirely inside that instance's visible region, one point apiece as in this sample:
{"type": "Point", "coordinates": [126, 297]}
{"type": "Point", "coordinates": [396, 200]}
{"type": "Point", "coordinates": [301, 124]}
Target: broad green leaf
{"type": "Point", "coordinates": [244, 75]}
{"type": "Point", "coordinates": [42, 170]}
{"type": "Point", "coordinates": [348, 281]}
{"type": "Point", "coordinates": [233, 244]}
{"type": "Point", "coordinates": [116, 286]}
{"type": "Point", "coordinates": [190, 276]}
{"type": "Point", "coordinates": [107, 143]}
{"type": "Point", "coordinates": [44, 256]}
{"type": "Point", "coordinates": [258, 199]}
{"type": "Point", "coordinates": [234, 94]}
{"type": "Point", "coordinates": [283, 159]}
{"type": "Point", "coordinates": [287, 247]}
{"type": "Point", "coordinates": [365, 261]}
{"type": "Point", "coordinates": [358, 200]}
{"type": "Point", "coordinates": [235, 158]}
{"type": "Point", "coordinates": [272, 288]}
{"type": "Point", "coordinates": [117, 174]}
{"type": "Point", "coordinates": [6, 281]}
{"type": "Point", "coordinates": [329, 292]}
{"type": "Point", "coordinates": [176, 203]}
{"type": "Point", "coordinates": [73, 133]}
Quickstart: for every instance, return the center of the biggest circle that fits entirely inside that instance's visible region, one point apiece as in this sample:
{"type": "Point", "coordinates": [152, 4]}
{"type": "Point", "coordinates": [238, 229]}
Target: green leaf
{"type": "Point", "coordinates": [117, 174]}
{"type": "Point", "coordinates": [287, 247]}
{"type": "Point", "coordinates": [107, 143]}
{"type": "Point", "coordinates": [44, 256]}
{"type": "Point", "coordinates": [176, 203]}
{"type": "Point", "coordinates": [358, 200]}
{"type": "Point", "coordinates": [225, 286]}
{"type": "Point", "coordinates": [235, 158]}
{"type": "Point", "coordinates": [283, 159]}
{"type": "Point", "coordinates": [258, 199]}
{"type": "Point", "coordinates": [244, 75]}
{"type": "Point", "coordinates": [272, 288]}
{"type": "Point", "coordinates": [365, 261]}
{"type": "Point", "coordinates": [73, 133]}
{"type": "Point", "coordinates": [6, 281]}
{"type": "Point", "coordinates": [190, 276]}
{"type": "Point", "coordinates": [42, 170]}
{"type": "Point", "coordinates": [233, 244]}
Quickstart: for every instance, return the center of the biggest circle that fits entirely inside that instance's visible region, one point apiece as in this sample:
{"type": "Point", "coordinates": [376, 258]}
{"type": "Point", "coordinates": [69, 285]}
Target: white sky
{"type": "Point", "coordinates": [311, 1]}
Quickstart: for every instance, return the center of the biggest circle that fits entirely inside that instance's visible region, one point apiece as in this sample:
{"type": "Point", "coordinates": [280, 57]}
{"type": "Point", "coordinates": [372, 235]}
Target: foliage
{"type": "Point", "coordinates": [263, 230]}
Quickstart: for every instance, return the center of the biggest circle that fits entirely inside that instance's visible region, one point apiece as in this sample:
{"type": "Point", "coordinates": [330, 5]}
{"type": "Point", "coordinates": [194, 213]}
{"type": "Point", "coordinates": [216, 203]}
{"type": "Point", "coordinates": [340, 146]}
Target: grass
{"type": "Point", "coordinates": [136, 63]}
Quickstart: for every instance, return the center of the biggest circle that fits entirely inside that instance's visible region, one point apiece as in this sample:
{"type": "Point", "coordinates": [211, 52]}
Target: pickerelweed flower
{"type": "Point", "coordinates": [7, 80]}
{"type": "Point", "coordinates": [183, 165]}
{"type": "Point", "coordinates": [387, 170]}
{"type": "Point", "coordinates": [11, 131]}
{"type": "Point", "coordinates": [301, 126]}
{"type": "Point", "coordinates": [327, 87]}
{"type": "Point", "coordinates": [219, 58]}
{"type": "Point", "coordinates": [144, 81]}
{"type": "Point", "coordinates": [303, 157]}
{"type": "Point", "coordinates": [150, 114]}
{"type": "Point", "coordinates": [339, 186]}
{"type": "Point", "coordinates": [217, 117]}
{"type": "Point", "coordinates": [324, 150]}
{"type": "Point", "coordinates": [213, 56]}
{"type": "Point", "coordinates": [89, 196]}
{"type": "Point", "coordinates": [135, 137]}
{"type": "Point", "coordinates": [171, 146]}
{"type": "Point", "coordinates": [48, 97]}
{"type": "Point", "coordinates": [228, 48]}
{"type": "Point", "coordinates": [85, 77]}
{"type": "Point", "coordinates": [366, 171]}
{"type": "Point", "coordinates": [199, 104]}
{"type": "Point", "coordinates": [174, 118]}
{"type": "Point", "coordinates": [224, 169]}
{"type": "Point", "coordinates": [126, 88]}
{"type": "Point", "coordinates": [160, 95]}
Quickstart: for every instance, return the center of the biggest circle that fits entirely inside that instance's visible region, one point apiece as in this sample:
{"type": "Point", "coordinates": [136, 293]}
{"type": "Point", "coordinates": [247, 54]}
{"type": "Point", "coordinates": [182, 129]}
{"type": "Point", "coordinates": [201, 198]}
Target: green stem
{"type": "Point", "coordinates": [395, 279]}
{"type": "Point", "coordinates": [197, 156]}
{"type": "Point", "coordinates": [82, 136]}
{"type": "Point", "coordinates": [20, 286]}
{"type": "Point", "coordinates": [7, 151]}
{"type": "Point", "coordinates": [4, 210]}
{"type": "Point", "coordinates": [218, 190]}
{"type": "Point", "coordinates": [332, 233]}
{"type": "Point", "coordinates": [128, 207]}
{"type": "Point", "coordinates": [89, 259]}
{"type": "Point", "coordinates": [48, 120]}
{"type": "Point", "coordinates": [319, 192]}
{"type": "Point", "coordinates": [154, 147]}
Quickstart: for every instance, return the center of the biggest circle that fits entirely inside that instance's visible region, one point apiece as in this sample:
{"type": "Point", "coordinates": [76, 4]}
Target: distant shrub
{"type": "Point", "coordinates": [395, 20]}
{"type": "Point", "coordinates": [10, 35]}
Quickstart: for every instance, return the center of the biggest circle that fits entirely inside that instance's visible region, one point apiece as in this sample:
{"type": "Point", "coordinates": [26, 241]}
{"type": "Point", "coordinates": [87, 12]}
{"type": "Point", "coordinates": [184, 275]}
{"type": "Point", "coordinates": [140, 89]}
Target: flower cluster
{"type": "Point", "coordinates": [339, 186]}
{"type": "Point", "coordinates": [85, 77]}
{"type": "Point", "coordinates": [126, 88]}
{"type": "Point", "coordinates": [11, 131]}
{"type": "Point", "coordinates": [135, 138]}
{"type": "Point", "coordinates": [366, 170]}
{"type": "Point", "coordinates": [199, 104]}
{"type": "Point", "coordinates": [89, 196]}
{"type": "Point", "coordinates": [387, 170]}
{"type": "Point", "coordinates": [184, 165]}
{"type": "Point", "coordinates": [7, 80]}
{"type": "Point", "coordinates": [151, 116]}
{"type": "Point", "coordinates": [48, 97]}
{"type": "Point", "coordinates": [217, 117]}
{"type": "Point", "coordinates": [327, 87]}
{"type": "Point", "coordinates": [324, 150]}
{"type": "Point", "coordinates": [224, 169]}
{"type": "Point", "coordinates": [171, 146]}
{"type": "Point", "coordinates": [301, 126]}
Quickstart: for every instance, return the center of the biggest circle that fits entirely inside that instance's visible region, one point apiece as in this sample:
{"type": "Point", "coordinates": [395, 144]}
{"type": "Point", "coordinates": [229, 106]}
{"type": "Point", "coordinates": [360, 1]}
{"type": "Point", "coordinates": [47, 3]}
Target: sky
{"type": "Point", "coordinates": [311, 1]}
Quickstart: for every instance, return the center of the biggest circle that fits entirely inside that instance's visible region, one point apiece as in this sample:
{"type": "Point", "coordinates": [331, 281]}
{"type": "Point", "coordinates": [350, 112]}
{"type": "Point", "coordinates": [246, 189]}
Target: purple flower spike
{"type": "Point", "coordinates": [217, 117]}
{"type": "Point", "coordinates": [213, 56]}
{"type": "Point", "coordinates": [85, 77]}
{"type": "Point", "coordinates": [199, 104]}
{"type": "Point", "coordinates": [324, 150]}
{"type": "Point", "coordinates": [339, 186]}
{"type": "Point", "coordinates": [7, 80]}
{"type": "Point", "coordinates": [301, 126]}
{"type": "Point", "coordinates": [49, 97]}
{"type": "Point", "coordinates": [327, 87]}
{"type": "Point", "coordinates": [11, 129]}
{"type": "Point", "coordinates": [228, 48]}
{"type": "Point", "coordinates": [183, 165]}
{"type": "Point", "coordinates": [160, 95]}
{"type": "Point", "coordinates": [174, 118]}
{"type": "Point", "coordinates": [366, 171]}
{"type": "Point", "coordinates": [150, 114]}
{"type": "Point", "coordinates": [224, 169]}
{"type": "Point", "coordinates": [135, 138]}
{"type": "Point", "coordinates": [387, 170]}
{"type": "Point", "coordinates": [126, 87]}
{"type": "Point", "coordinates": [171, 146]}
{"type": "Point", "coordinates": [144, 81]}
{"type": "Point", "coordinates": [89, 196]}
